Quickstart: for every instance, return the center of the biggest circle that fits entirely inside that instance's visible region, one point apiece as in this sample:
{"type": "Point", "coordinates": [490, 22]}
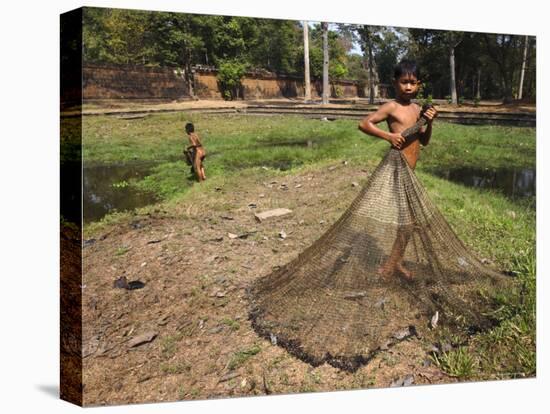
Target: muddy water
{"type": "Point", "coordinates": [515, 183]}
{"type": "Point", "coordinates": [106, 188]}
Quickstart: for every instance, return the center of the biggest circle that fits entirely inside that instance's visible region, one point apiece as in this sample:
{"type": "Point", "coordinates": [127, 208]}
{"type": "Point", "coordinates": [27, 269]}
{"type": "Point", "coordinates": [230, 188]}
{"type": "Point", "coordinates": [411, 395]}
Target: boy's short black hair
{"type": "Point", "coordinates": [406, 67]}
{"type": "Point", "coordinates": [189, 127]}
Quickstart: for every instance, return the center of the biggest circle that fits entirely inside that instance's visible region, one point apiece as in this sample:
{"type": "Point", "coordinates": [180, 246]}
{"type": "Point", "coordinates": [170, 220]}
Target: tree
{"type": "Point", "coordinates": [336, 54]}
{"type": "Point", "coordinates": [523, 63]}
{"type": "Point", "coordinates": [230, 74]}
{"type": "Point", "coordinates": [453, 39]}
{"type": "Point", "coordinates": [307, 96]}
{"type": "Point", "coordinates": [368, 36]}
{"type": "Point", "coordinates": [326, 90]}
{"type": "Point", "coordinates": [176, 41]}
{"type": "Point", "coordinates": [437, 53]}
{"type": "Point", "coordinates": [390, 47]}
{"type": "Point", "coordinates": [114, 36]}
{"type": "Point", "coordinates": [505, 51]}
{"type": "Point", "coordinates": [276, 46]}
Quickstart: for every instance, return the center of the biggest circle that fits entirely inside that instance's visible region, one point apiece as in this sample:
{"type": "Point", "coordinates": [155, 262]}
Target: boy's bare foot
{"type": "Point", "coordinates": [406, 272]}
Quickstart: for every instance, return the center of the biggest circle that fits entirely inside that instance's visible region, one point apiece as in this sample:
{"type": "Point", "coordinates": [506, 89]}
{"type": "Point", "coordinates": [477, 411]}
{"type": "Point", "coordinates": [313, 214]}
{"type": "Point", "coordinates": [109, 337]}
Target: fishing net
{"type": "Point", "coordinates": [390, 265]}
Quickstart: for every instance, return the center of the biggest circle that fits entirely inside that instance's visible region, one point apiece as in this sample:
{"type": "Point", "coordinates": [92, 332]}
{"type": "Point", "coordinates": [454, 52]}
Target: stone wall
{"type": "Point", "coordinates": [107, 82]}
{"type": "Point", "coordinates": [131, 82]}
{"type": "Point", "coordinates": [271, 86]}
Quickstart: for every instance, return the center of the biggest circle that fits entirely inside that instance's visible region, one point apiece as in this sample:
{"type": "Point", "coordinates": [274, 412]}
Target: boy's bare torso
{"type": "Point", "coordinates": [194, 139]}
{"type": "Point", "coordinates": [196, 142]}
{"type": "Point", "coordinates": [401, 117]}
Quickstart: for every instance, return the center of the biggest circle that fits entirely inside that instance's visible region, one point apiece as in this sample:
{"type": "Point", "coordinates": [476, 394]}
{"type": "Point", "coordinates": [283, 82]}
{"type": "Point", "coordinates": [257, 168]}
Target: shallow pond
{"type": "Point", "coordinates": [106, 188]}
{"type": "Point", "coordinates": [511, 182]}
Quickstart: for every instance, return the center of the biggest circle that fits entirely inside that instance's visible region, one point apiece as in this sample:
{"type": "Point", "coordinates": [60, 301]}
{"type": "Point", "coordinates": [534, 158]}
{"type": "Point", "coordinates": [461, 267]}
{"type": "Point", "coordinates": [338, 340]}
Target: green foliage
{"type": "Point", "coordinates": [389, 46]}
{"type": "Point", "coordinates": [180, 40]}
{"type": "Point", "coordinates": [277, 46]}
{"type": "Point", "coordinates": [337, 70]}
{"type": "Point", "coordinates": [138, 37]}
{"type": "Point", "coordinates": [493, 59]}
{"type": "Point", "coordinates": [356, 69]}
{"type": "Point", "coordinates": [230, 74]}
{"type": "Point", "coordinates": [337, 54]}
{"type": "Point", "coordinates": [424, 100]}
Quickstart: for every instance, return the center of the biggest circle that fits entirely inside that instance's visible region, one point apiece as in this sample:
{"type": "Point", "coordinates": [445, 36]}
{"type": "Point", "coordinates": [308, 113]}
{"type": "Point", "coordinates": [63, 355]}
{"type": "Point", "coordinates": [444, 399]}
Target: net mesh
{"type": "Point", "coordinates": [383, 269]}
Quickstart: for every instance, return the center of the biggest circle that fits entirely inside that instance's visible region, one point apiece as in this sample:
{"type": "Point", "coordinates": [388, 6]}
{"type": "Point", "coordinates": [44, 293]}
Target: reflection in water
{"type": "Point", "coordinates": [106, 188]}
{"type": "Point", "coordinates": [512, 182]}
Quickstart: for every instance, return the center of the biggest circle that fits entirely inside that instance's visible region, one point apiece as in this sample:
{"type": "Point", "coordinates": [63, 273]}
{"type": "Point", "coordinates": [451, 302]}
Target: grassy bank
{"type": "Point", "coordinates": [238, 142]}
{"type": "Point", "coordinates": [504, 232]}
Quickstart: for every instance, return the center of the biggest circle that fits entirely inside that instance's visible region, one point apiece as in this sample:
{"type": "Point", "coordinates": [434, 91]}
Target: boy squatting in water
{"type": "Point", "coordinates": [196, 151]}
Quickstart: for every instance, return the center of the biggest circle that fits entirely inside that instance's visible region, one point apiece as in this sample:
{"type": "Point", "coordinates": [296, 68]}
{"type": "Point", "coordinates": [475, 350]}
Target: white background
{"type": "Point", "coordinates": [29, 217]}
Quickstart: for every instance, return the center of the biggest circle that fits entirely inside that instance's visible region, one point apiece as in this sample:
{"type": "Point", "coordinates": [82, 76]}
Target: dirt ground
{"type": "Point", "coordinates": [186, 333]}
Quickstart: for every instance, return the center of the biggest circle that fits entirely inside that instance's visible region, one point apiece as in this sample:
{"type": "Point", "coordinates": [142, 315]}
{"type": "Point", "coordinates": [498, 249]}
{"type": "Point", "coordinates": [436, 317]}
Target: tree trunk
{"type": "Point", "coordinates": [307, 82]}
{"type": "Point", "coordinates": [371, 69]}
{"type": "Point", "coordinates": [190, 78]}
{"type": "Point", "coordinates": [326, 87]}
{"type": "Point", "coordinates": [187, 71]}
{"type": "Point", "coordinates": [523, 63]}
{"type": "Point", "coordinates": [454, 98]}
